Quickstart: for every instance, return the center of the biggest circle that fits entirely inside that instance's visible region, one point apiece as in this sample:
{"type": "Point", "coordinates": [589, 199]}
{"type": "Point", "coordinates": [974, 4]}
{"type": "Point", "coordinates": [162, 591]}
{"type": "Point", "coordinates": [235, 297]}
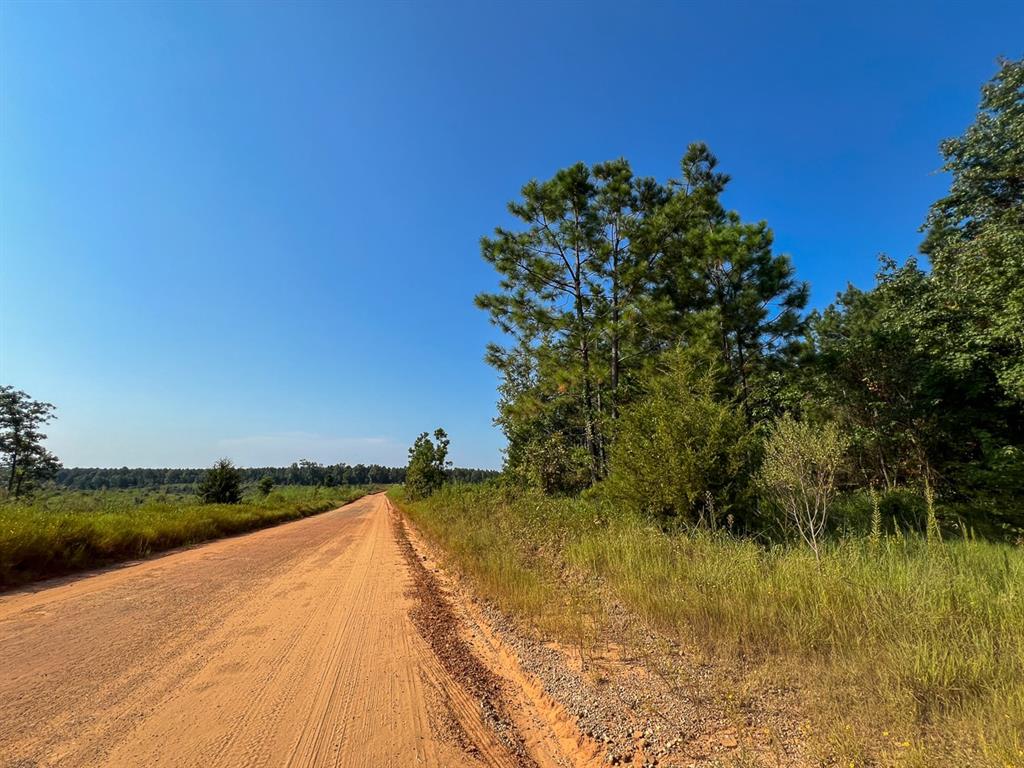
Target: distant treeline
{"type": "Point", "coordinates": [300, 473]}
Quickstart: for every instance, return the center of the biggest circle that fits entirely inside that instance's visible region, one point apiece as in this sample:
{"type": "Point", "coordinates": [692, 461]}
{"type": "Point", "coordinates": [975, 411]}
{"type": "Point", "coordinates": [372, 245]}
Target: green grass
{"type": "Point", "coordinates": [60, 532]}
{"type": "Point", "coordinates": [906, 653]}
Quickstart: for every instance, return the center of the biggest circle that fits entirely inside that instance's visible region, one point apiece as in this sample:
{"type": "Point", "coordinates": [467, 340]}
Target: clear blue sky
{"type": "Point", "coordinates": [251, 229]}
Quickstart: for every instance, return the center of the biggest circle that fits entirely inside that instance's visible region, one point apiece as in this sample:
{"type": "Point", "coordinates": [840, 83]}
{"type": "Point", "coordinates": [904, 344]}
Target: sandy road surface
{"type": "Point", "coordinates": [291, 646]}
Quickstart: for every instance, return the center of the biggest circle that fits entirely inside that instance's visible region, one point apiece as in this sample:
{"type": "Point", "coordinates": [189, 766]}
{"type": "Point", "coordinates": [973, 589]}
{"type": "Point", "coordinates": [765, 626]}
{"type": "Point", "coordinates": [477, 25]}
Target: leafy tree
{"type": "Point", "coordinates": [222, 484]}
{"type": "Point", "coordinates": [625, 305]}
{"type": "Point", "coordinates": [975, 242]}
{"type": "Point", "coordinates": [924, 369]}
{"type": "Point", "coordinates": [428, 463]}
{"type": "Point", "coordinates": [875, 380]}
{"type": "Point", "coordinates": [265, 485]}
{"type": "Point", "coordinates": [25, 461]}
{"type": "Point", "coordinates": [549, 273]}
{"type": "Point", "coordinates": [543, 425]}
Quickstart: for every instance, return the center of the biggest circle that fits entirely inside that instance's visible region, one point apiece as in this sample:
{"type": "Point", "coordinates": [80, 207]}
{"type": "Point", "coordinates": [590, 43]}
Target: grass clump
{"type": "Point", "coordinates": [62, 532]}
{"type": "Point", "coordinates": [909, 651]}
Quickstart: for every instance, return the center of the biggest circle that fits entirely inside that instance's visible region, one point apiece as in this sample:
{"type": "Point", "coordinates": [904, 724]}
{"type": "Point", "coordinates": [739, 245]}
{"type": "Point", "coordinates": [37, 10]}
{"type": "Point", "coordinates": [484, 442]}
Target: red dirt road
{"type": "Point", "coordinates": [291, 646]}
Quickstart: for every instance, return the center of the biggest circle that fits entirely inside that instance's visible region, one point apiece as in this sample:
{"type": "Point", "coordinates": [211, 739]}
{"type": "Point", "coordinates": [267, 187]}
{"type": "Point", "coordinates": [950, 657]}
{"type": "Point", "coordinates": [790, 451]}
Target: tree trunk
{"type": "Point", "coordinates": [588, 390]}
{"type": "Point", "coordinates": [590, 433]}
{"type": "Point", "coordinates": [14, 462]}
{"type": "Point", "coordinates": [744, 385]}
{"type": "Point", "coordinates": [615, 332]}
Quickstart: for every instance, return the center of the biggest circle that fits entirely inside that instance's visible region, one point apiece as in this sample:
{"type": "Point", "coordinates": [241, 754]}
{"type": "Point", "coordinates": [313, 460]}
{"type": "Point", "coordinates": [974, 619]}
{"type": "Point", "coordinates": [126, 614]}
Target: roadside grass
{"type": "Point", "coordinates": [906, 653]}
{"type": "Point", "coordinates": [60, 532]}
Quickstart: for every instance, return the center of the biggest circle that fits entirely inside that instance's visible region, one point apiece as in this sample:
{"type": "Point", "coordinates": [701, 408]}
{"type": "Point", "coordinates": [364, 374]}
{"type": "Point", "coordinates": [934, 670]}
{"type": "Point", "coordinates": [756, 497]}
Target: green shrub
{"type": "Point", "coordinates": [557, 465]}
{"type": "Point", "coordinates": [682, 450]}
{"type": "Point", "coordinates": [221, 485]}
{"type": "Point", "coordinates": [905, 509]}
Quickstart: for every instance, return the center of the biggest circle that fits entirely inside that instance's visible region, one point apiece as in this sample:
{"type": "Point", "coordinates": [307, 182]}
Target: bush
{"type": "Point", "coordinates": [221, 485]}
{"type": "Point", "coordinates": [682, 450]}
{"type": "Point", "coordinates": [799, 475]}
{"type": "Point", "coordinates": [558, 466]}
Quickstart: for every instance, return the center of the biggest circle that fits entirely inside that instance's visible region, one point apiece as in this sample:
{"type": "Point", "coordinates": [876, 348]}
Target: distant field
{"type": "Point", "coordinates": [65, 531]}
{"type": "Point", "coordinates": [907, 653]}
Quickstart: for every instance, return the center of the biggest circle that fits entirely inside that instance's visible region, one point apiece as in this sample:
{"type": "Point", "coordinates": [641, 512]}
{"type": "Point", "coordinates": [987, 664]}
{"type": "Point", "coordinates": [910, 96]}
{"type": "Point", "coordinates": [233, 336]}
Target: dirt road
{"type": "Point", "coordinates": [293, 646]}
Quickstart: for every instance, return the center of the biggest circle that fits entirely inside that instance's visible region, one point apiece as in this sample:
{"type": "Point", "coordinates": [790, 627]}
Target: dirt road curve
{"type": "Point", "coordinates": [292, 646]}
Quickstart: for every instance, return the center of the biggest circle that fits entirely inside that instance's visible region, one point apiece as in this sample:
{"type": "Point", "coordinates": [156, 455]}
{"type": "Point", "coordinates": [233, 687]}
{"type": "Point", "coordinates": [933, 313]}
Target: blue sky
{"type": "Point", "coordinates": [251, 229]}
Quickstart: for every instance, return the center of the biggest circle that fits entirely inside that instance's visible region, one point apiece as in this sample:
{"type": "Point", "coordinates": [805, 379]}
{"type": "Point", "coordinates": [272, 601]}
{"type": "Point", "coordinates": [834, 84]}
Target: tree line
{"type": "Point", "coordinates": [298, 473]}
{"type": "Point", "coordinates": [659, 349]}
{"type": "Point", "coordinates": [26, 465]}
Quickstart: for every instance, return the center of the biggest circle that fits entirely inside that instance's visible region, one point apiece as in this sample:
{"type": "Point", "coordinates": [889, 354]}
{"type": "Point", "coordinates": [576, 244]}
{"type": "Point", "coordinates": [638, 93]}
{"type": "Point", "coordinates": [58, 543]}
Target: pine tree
{"type": "Point", "coordinates": [608, 271]}
{"type": "Point", "coordinates": [713, 261]}
{"type": "Point", "coordinates": [222, 484]}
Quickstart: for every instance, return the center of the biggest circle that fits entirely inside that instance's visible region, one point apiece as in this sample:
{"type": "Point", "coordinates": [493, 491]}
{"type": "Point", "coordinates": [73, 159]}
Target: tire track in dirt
{"type": "Point", "coordinates": [438, 625]}
{"type": "Point", "coordinates": [543, 728]}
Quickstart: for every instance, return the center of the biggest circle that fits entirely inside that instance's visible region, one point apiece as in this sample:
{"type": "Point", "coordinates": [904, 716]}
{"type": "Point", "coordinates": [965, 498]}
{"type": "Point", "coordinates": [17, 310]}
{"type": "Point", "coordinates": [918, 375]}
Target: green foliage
{"type": "Point", "coordinates": [23, 459]}
{"type": "Point", "coordinates": [711, 261]}
{"type": "Point", "coordinates": [428, 463]}
{"type": "Point", "coordinates": [924, 371]}
{"type": "Point", "coordinates": [545, 446]}
{"type": "Point", "coordinates": [569, 274]}
{"type": "Point", "coordinates": [682, 450]}
{"type": "Point", "coordinates": [221, 485]}
{"type": "Point", "coordinates": [888, 511]}
{"type": "Point", "coordinates": [265, 485]}
{"type": "Point", "coordinates": [554, 463]}
{"type": "Point", "coordinates": [869, 376]}
{"type": "Point", "coordinates": [607, 270]}
{"type": "Point", "coordinates": [59, 532]}
{"type": "Point", "coordinates": [299, 473]}
{"type": "Point", "coordinates": [975, 240]}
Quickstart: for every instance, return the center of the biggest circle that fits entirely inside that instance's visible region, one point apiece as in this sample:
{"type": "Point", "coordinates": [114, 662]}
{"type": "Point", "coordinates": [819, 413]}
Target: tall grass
{"type": "Point", "coordinates": [62, 532]}
{"type": "Point", "coordinates": [909, 651]}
